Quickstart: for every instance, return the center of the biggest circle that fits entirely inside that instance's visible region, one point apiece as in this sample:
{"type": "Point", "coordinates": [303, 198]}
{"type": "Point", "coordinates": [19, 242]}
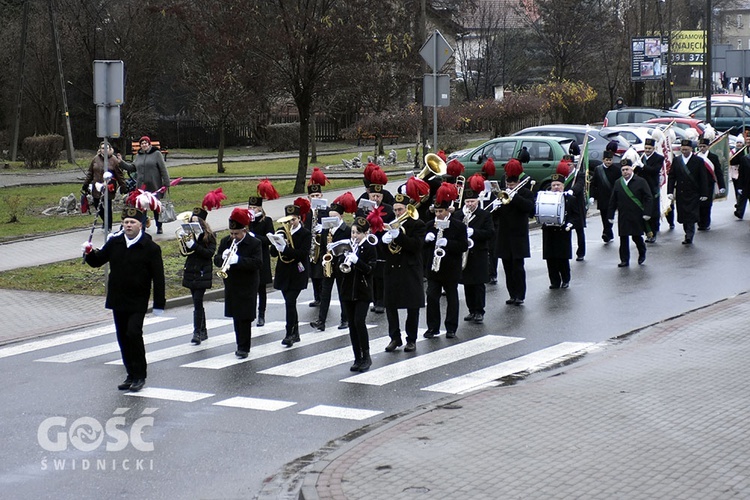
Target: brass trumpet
{"type": "Point", "coordinates": [411, 213]}
{"type": "Point", "coordinates": [504, 197]}
{"type": "Point", "coordinates": [222, 273]}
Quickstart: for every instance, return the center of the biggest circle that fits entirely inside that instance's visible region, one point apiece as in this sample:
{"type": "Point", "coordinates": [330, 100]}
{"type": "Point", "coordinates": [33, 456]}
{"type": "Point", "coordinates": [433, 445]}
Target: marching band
{"type": "Point", "coordinates": [438, 231]}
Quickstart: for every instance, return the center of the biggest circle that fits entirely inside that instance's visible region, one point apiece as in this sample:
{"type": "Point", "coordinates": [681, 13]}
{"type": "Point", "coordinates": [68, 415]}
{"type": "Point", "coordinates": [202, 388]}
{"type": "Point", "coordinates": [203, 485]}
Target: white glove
{"type": "Point", "coordinates": [318, 228]}
{"type": "Point", "coordinates": [703, 198]}
{"type": "Point", "coordinates": [233, 259]}
{"type": "Point", "coordinates": [190, 243]}
{"type": "Point", "coordinates": [251, 234]}
{"type": "Point", "coordinates": [441, 242]}
{"type": "Point", "coordinates": [158, 312]}
{"type": "Point", "coordinates": [180, 233]}
{"type": "Point", "coordinates": [387, 238]}
{"type": "Point", "coordinates": [429, 237]}
{"type": "Point", "coordinates": [225, 253]}
{"type": "Point", "coordinates": [393, 233]}
{"type": "Point", "coordinates": [87, 247]}
{"type": "Point", "coordinates": [670, 196]}
{"type": "Point", "coordinates": [722, 191]}
{"type": "Point", "coordinates": [353, 259]}
{"type": "Point", "coordinates": [591, 200]}
{"type": "Point", "coordinates": [739, 191]}
{"type": "Point", "coordinates": [107, 175]}
{"type": "Point", "coordinates": [646, 217]}
{"type": "Point", "coordinates": [611, 221]}
{"type": "Point", "coordinates": [569, 192]}
{"type": "Point", "coordinates": [280, 246]}
{"type": "Point", "coordinates": [469, 232]}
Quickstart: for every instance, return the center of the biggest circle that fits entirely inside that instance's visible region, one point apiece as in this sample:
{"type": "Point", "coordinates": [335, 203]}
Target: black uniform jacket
{"type": "Point", "coordinates": [198, 270]}
{"type": "Point", "coordinates": [602, 183]}
{"type": "Point", "coordinates": [260, 228]}
{"type": "Point", "coordinates": [342, 233]}
{"type": "Point", "coordinates": [630, 218]}
{"type": "Point", "coordinates": [688, 187]}
{"type": "Point", "coordinates": [513, 226]}
{"type": "Point", "coordinates": [477, 268]}
{"type": "Point", "coordinates": [131, 272]}
{"type": "Point", "coordinates": [357, 284]}
{"type": "Point", "coordinates": [450, 263]}
{"type": "Point", "coordinates": [651, 170]}
{"type": "Point", "coordinates": [404, 271]}
{"type": "Point", "coordinates": [241, 283]}
{"type": "Point", "coordinates": [293, 275]}
{"type": "Point", "coordinates": [556, 240]}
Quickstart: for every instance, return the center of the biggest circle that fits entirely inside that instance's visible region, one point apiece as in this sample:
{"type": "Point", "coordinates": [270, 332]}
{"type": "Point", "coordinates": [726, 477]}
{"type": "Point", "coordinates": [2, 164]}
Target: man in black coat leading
{"type": "Point", "coordinates": [240, 258]}
{"type": "Point", "coordinates": [688, 185]}
{"type": "Point", "coordinates": [631, 198]}
{"type": "Point", "coordinates": [134, 264]}
{"type": "Point", "coordinates": [602, 183]}
{"type": "Point", "coordinates": [653, 164]}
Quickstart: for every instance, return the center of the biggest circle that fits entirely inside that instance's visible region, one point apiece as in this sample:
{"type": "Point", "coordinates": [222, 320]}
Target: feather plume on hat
{"type": "Point", "coordinates": [347, 201]}
{"type": "Point", "coordinates": [564, 168]}
{"type": "Point", "coordinates": [476, 183]}
{"type": "Point", "coordinates": [441, 154]}
{"type": "Point", "coordinates": [691, 134]}
{"type": "Point", "coordinates": [632, 155]}
{"type": "Point", "coordinates": [266, 190]}
{"type": "Point", "coordinates": [513, 168]}
{"type": "Point", "coordinates": [489, 167]}
{"type": "Point", "coordinates": [657, 135]}
{"type": "Point", "coordinates": [446, 193]}
{"type": "Point", "coordinates": [375, 218]}
{"type": "Point", "coordinates": [143, 200]}
{"type": "Point", "coordinates": [241, 216]}
{"type": "Point", "coordinates": [709, 132]}
{"type": "Point", "coordinates": [369, 169]}
{"type": "Point", "coordinates": [213, 199]}
{"type": "Point", "coordinates": [304, 206]}
{"type": "Point", "coordinates": [416, 188]}
{"type": "Point", "coordinates": [378, 176]}
{"type": "Point", "coordinates": [454, 168]}
{"type": "Point", "coordinates": [318, 177]}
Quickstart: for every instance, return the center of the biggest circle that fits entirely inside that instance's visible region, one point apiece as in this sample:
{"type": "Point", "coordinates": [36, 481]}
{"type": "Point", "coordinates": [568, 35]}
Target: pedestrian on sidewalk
{"type": "Point", "coordinates": [151, 171]}
{"type": "Point", "coordinates": [135, 262]}
{"type": "Point", "coordinates": [94, 183]}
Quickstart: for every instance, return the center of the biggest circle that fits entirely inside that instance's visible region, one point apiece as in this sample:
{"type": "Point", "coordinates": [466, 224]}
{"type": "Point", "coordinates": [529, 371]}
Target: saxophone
{"type": "Point", "coordinates": [439, 252]}
{"type": "Point", "coordinates": [315, 247]}
{"type": "Point", "coordinates": [328, 257]}
{"type": "Point", "coordinates": [465, 256]}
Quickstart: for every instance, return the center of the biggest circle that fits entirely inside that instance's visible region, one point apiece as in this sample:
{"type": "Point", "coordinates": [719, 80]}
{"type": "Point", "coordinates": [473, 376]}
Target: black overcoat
{"type": "Point", "coordinates": [357, 284]}
{"type": "Point", "coordinates": [602, 183]}
{"type": "Point", "coordinates": [404, 271]}
{"type": "Point", "coordinates": [260, 228]}
{"type": "Point", "coordinates": [450, 264]}
{"type": "Point", "coordinates": [477, 268]}
{"type": "Point", "coordinates": [688, 186]}
{"type": "Point", "coordinates": [198, 270]}
{"type": "Point", "coordinates": [556, 240]}
{"type": "Point", "coordinates": [513, 226]}
{"type": "Point", "coordinates": [241, 283]}
{"type": "Point", "coordinates": [630, 217]}
{"type": "Point", "coordinates": [293, 275]}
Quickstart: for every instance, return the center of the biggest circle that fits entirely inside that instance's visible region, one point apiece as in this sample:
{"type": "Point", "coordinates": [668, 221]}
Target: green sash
{"type": "Point", "coordinates": [636, 201]}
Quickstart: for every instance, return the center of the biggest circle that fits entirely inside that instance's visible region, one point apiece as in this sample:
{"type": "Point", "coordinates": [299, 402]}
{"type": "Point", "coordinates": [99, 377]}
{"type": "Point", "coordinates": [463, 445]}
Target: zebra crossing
{"type": "Point", "coordinates": [310, 356]}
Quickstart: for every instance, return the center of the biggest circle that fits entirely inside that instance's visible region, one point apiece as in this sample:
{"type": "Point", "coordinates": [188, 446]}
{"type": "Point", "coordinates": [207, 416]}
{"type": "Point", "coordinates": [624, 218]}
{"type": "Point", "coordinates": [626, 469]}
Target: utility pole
{"type": "Point", "coordinates": [21, 68]}
{"type": "Point", "coordinates": [708, 77]}
{"type": "Point", "coordinates": [58, 55]}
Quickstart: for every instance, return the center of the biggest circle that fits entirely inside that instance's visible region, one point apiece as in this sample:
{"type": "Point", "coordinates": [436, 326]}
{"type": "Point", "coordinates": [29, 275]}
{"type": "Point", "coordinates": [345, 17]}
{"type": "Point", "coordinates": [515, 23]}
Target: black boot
{"type": "Point", "coordinates": [261, 318]}
{"type": "Point", "coordinates": [204, 331]}
{"type": "Point", "coordinates": [295, 333]}
{"type": "Point", "coordinates": [196, 328]}
{"type": "Point", "coordinates": [357, 363]}
{"type": "Point", "coordinates": [366, 361]}
{"type": "Point", "coordinates": [289, 338]}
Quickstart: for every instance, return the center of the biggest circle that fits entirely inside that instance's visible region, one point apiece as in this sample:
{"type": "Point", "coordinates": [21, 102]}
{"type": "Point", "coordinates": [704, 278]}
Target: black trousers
{"type": "Point", "coordinates": [607, 232]}
{"type": "Point", "coordinates": [704, 213]}
{"type": "Point", "coordinates": [98, 204]}
{"type": "Point", "coordinates": [317, 284]}
{"type": "Point", "coordinates": [412, 323]}
{"type": "Point", "coordinates": [326, 290]}
{"type": "Point", "coordinates": [515, 278]}
{"type": "Point", "coordinates": [581, 239]}
{"type": "Point", "coordinates": [475, 297]}
{"type": "Point", "coordinates": [558, 271]}
{"type": "Point", "coordinates": [434, 291]}
{"type": "Point", "coordinates": [689, 231]}
{"type": "Point", "coordinates": [129, 328]}
{"type": "Point", "coordinates": [290, 306]}
{"type": "Point", "coordinates": [493, 261]}
{"type": "Point", "coordinates": [242, 332]}
{"type": "Point", "coordinates": [357, 311]}
{"type": "Point", "coordinates": [199, 313]}
{"type": "Point", "coordinates": [625, 246]}
{"type": "Point", "coordinates": [378, 286]}
{"type": "Point", "coordinates": [262, 299]}
{"type": "Point", "coordinates": [741, 203]}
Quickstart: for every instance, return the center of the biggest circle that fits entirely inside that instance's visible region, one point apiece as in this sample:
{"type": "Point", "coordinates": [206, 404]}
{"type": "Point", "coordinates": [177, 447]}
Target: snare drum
{"type": "Point", "coordinates": [550, 208]}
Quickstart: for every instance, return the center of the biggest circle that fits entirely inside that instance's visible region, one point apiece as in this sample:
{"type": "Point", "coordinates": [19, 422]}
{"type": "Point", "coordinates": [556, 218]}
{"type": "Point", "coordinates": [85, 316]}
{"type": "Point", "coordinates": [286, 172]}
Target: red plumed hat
{"type": "Point", "coordinates": [241, 216]}
{"type": "Point", "coordinates": [318, 177]}
{"type": "Point", "coordinates": [513, 168]}
{"type": "Point", "coordinates": [446, 193]}
{"type": "Point", "coordinates": [213, 199]}
{"type": "Point", "coordinates": [454, 168]}
{"type": "Point", "coordinates": [369, 169]}
{"type": "Point", "coordinates": [416, 188]}
{"type": "Point", "coordinates": [375, 218]}
{"type": "Point", "coordinates": [564, 168]}
{"type": "Point", "coordinates": [347, 201]}
{"type": "Point", "coordinates": [266, 190]}
{"type": "Point", "coordinates": [442, 156]}
{"type": "Point", "coordinates": [476, 183]}
{"type": "Point", "coordinates": [377, 176]}
{"type": "Point", "coordinates": [489, 167]}
{"type": "Point", "coordinates": [304, 206]}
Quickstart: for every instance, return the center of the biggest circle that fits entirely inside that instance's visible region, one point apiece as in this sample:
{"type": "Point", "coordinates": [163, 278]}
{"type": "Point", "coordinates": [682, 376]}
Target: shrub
{"type": "Point", "coordinates": [42, 151]}
{"type": "Point", "coordinates": [283, 136]}
{"type": "Point", "coordinates": [450, 141]}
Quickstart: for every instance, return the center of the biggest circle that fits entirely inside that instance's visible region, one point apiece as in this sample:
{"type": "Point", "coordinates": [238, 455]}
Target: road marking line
{"type": "Point", "coordinates": [255, 403]}
{"type": "Point", "coordinates": [429, 361]}
{"type": "Point", "coordinates": [69, 338]}
{"type": "Point", "coordinates": [170, 394]}
{"type": "Point", "coordinates": [213, 341]}
{"type": "Point", "coordinates": [110, 347]}
{"type": "Point", "coordinates": [219, 362]}
{"type": "Point", "coordinates": [481, 378]}
{"type": "Point", "coordinates": [340, 412]}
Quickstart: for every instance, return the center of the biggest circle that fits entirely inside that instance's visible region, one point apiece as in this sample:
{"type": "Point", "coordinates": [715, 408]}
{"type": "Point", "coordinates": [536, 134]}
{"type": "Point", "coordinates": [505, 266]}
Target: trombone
{"type": "Point", "coordinates": [504, 197]}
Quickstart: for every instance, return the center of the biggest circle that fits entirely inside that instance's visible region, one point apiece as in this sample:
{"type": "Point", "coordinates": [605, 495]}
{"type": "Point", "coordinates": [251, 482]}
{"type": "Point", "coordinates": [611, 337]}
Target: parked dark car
{"type": "Point", "coordinates": [637, 115]}
{"type": "Point", "coordinates": [725, 116]}
{"type": "Point", "coordinates": [597, 142]}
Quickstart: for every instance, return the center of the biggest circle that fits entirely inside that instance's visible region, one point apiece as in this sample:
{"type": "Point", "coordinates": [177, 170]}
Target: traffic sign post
{"type": "Point", "coordinates": [436, 88]}
{"type": "Point", "coordinates": [109, 95]}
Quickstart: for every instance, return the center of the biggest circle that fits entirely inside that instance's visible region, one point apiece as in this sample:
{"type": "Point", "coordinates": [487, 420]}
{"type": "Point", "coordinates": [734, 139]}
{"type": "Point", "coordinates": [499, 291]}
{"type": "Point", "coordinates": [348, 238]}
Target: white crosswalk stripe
{"type": "Point", "coordinates": [488, 376]}
{"type": "Point", "coordinates": [255, 403]}
{"type": "Point", "coordinates": [434, 359]}
{"type": "Point", "coordinates": [100, 350]}
{"type": "Point", "coordinates": [340, 412]}
{"type": "Point", "coordinates": [170, 394]}
{"type": "Point", "coordinates": [69, 338]}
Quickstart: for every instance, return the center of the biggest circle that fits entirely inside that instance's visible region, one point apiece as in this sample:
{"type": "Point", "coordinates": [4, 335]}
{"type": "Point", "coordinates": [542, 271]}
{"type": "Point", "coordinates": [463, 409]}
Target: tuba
{"type": "Point", "coordinates": [184, 236]}
{"type": "Point", "coordinates": [285, 231]}
{"type": "Point", "coordinates": [411, 213]}
{"type": "Point", "coordinates": [433, 165]}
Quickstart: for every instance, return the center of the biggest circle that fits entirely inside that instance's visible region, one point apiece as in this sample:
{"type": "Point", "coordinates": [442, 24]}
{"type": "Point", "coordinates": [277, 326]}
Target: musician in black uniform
{"type": "Point", "coordinates": [602, 183]}
{"type": "Point", "coordinates": [260, 226]}
{"type": "Point", "coordinates": [197, 274]}
{"type": "Point", "coordinates": [404, 274]}
{"type": "Point", "coordinates": [738, 174]}
{"type": "Point", "coordinates": [480, 230]}
{"type": "Point", "coordinates": [704, 211]}
{"type": "Point", "coordinates": [632, 200]}
{"type": "Point", "coordinates": [575, 185]}
{"type": "Point", "coordinates": [341, 232]}
{"type": "Point", "coordinates": [355, 292]}
{"type": "Point", "coordinates": [557, 249]}
{"type": "Point", "coordinates": [292, 268]}
{"type": "Point", "coordinates": [513, 232]}
{"type": "Point", "coordinates": [688, 185]}
{"type": "Point", "coordinates": [241, 282]}
{"type": "Point", "coordinates": [653, 164]}
{"type": "Point", "coordinates": [375, 193]}
{"type": "Point", "coordinates": [312, 224]}
{"type": "Point", "coordinates": [443, 272]}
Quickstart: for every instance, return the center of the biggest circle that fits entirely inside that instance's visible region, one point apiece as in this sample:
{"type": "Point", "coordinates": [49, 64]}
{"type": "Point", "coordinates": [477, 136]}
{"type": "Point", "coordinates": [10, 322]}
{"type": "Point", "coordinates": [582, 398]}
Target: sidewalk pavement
{"type": "Point", "coordinates": [660, 413]}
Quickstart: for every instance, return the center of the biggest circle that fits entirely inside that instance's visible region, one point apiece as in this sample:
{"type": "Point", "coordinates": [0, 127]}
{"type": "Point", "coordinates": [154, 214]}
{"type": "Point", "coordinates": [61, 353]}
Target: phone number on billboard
{"type": "Point", "coordinates": [686, 58]}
